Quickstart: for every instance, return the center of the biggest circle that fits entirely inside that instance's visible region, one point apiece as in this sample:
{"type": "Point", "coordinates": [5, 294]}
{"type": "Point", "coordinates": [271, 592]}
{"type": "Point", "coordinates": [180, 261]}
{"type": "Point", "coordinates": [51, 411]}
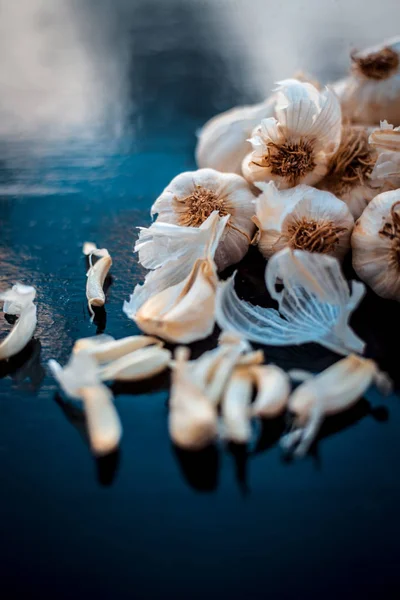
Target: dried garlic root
{"type": "Point", "coordinates": [96, 275]}
{"type": "Point", "coordinates": [18, 301]}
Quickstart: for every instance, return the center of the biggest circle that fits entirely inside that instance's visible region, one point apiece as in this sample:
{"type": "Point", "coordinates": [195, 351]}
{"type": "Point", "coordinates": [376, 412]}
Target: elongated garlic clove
{"type": "Point", "coordinates": [136, 366]}
{"type": "Point", "coordinates": [273, 389]}
{"type": "Point", "coordinates": [235, 407]}
{"type": "Point", "coordinates": [96, 275]}
{"type": "Point", "coordinates": [192, 417]}
{"type": "Point", "coordinates": [105, 348]}
{"type": "Point", "coordinates": [79, 380]}
{"type": "Point", "coordinates": [18, 301]}
{"type": "Point", "coordinates": [332, 391]}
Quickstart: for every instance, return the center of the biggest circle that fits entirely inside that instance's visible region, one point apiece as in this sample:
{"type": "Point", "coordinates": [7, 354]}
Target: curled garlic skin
{"type": "Point", "coordinates": [192, 196]}
{"type": "Point", "coordinates": [18, 301]}
{"type": "Point", "coordinates": [376, 245]}
{"type": "Point", "coordinates": [301, 218]}
{"type": "Point", "coordinates": [332, 391]}
{"type": "Point", "coordinates": [371, 92]}
{"type": "Point", "coordinates": [295, 147]}
{"type": "Point", "coordinates": [96, 275]}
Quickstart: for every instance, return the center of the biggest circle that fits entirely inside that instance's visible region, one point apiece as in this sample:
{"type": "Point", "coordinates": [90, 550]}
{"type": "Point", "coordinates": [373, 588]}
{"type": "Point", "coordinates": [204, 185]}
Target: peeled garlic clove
{"type": "Point", "coordinates": [273, 389]}
{"type": "Point", "coordinates": [372, 90]}
{"type": "Point", "coordinates": [192, 417]}
{"type": "Point", "coordinates": [295, 147]}
{"type": "Point", "coordinates": [96, 275]}
{"type": "Point", "coordinates": [138, 365]}
{"type": "Point", "coordinates": [222, 142]}
{"type": "Point", "coordinates": [376, 245]}
{"type": "Point", "coordinates": [235, 407]}
{"type": "Point", "coordinates": [105, 348]}
{"type": "Point", "coordinates": [18, 301]}
{"type": "Point", "coordinates": [191, 197]}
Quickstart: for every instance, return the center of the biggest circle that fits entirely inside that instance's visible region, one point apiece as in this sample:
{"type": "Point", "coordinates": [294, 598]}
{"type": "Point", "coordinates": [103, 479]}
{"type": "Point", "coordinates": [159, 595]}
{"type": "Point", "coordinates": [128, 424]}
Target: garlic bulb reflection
{"type": "Point", "coordinates": [192, 196]}
{"type": "Point", "coordinates": [222, 143]}
{"type": "Point", "coordinates": [372, 90]}
{"type": "Point", "coordinates": [295, 147]}
{"type": "Point", "coordinates": [376, 245]}
{"type": "Point", "coordinates": [302, 218]}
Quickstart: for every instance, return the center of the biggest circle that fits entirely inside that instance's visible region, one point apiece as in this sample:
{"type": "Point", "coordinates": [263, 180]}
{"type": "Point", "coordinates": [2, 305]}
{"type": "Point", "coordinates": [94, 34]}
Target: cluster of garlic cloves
{"type": "Point", "coordinates": [18, 301]}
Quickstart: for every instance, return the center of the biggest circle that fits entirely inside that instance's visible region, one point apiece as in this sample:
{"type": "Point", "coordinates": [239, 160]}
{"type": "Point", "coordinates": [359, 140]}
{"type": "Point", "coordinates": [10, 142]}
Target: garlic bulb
{"type": "Point", "coordinates": [376, 245]}
{"type": "Point", "coordinates": [295, 147]}
{"type": "Point", "coordinates": [191, 197]}
{"type": "Point", "coordinates": [222, 141]}
{"type": "Point", "coordinates": [351, 170]}
{"type": "Point", "coordinates": [386, 140]}
{"type": "Point", "coordinates": [372, 90]}
{"type": "Point", "coordinates": [314, 305]}
{"type": "Point", "coordinates": [332, 391]}
{"type": "Point", "coordinates": [301, 218]}
{"type": "Point", "coordinates": [18, 301]}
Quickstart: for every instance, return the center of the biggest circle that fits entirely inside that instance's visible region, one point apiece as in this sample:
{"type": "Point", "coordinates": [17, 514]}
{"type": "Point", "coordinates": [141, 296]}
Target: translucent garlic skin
{"type": "Point", "coordinates": [371, 92]}
{"type": "Point", "coordinates": [222, 141]}
{"type": "Point", "coordinates": [376, 245]}
{"type": "Point", "coordinates": [192, 196]}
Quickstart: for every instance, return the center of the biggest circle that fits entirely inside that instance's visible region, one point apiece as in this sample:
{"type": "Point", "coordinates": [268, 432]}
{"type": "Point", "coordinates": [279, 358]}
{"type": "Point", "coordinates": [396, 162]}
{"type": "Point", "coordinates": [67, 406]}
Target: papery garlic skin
{"type": "Point", "coordinates": [96, 275]}
{"type": "Point", "coordinates": [273, 389]}
{"type": "Point", "coordinates": [192, 196]}
{"type": "Point", "coordinates": [222, 142]}
{"type": "Point", "coordinates": [376, 245]}
{"type": "Point", "coordinates": [302, 218]}
{"type": "Point", "coordinates": [18, 301]}
{"type": "Point", "coordinates": [235, 409]}
{"type": "Point", "coordinates": [295, 147]}
{"type": "Point", "coordinates": [371, 92]}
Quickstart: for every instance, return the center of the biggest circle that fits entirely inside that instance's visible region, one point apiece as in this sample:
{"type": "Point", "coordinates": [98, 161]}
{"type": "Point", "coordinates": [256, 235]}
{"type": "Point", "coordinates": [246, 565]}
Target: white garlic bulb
{"type": "Point", "coordinates": [295, 147]}
{"type": "Point", "coordinates": [302, 218]}
{"type": "Point", "coordinates": [372, 90]}
{"type": "Point", "coordinates": [376, 245]}
{"type": "Point", "coordinates": [191, 197]}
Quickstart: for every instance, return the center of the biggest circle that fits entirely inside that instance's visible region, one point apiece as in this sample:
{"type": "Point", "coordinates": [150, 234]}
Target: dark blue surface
{"type": "Point", "coordinates": [153, 522]}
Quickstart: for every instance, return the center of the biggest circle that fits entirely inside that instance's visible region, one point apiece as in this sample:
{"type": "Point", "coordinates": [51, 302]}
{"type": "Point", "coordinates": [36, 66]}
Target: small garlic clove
{"type": "Point", "coordinates": [136, 366]}
{"type": "Point", "coordinates": [103, 423]}
{"type": "Point", "coordinates": [96, 276]}
{"type": "Point", "coordinates": [235, 407]}
{"type": "Point", "coordinates": [273, 389]}
{"type": "Point", "coordinates": [18, 301]}
{"type": "Point", "coordinates": [105, 348]}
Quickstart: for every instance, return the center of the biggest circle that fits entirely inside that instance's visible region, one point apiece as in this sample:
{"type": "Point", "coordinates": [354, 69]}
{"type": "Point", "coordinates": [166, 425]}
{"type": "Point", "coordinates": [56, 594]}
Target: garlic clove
{"type": "Point", "coordinates": [105, 348]}
{"type": "Point", "coordinates": [18, 301]}
{"type": "Point", "coordinates": [235, 408]}
{"type": "Point", "coordinates": [136, 366]}
{"type": "Point", "coordinates": [96, 275]}
{"type": "Point", "coordinates": [273, 389]}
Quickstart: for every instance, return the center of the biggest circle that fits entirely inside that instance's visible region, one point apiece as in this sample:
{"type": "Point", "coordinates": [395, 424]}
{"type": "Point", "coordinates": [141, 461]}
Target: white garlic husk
{"type": "Point", "coordinates": [386, 140]}
{"type": "Point", "coordinates": [192, 196]}
{"type": "Point", "coordinates": [376, 245]}
{"type": "Point", "coordinates": [371, 92]}
{"type": "Point", "coordinates": [222, 141]}
{"type": "Point", "coordinates": [301, 218]}
{"type": "Point", "coordinates": [18, 301]}
{"type": "Point", "coordinates": [295, 147]}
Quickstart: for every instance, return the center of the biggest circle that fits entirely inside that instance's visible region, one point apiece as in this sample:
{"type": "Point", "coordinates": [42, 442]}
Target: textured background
{"type": "Point", "coordinates": [99, 104]}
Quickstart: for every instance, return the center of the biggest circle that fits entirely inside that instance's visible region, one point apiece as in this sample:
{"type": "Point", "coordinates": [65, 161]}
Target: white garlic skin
{"type": "Point", "coordinates": [366, 100]}
{"type": "Point", "coordinates": [222, 142]}
{"type": "Point", "coordinates": [375, 258]}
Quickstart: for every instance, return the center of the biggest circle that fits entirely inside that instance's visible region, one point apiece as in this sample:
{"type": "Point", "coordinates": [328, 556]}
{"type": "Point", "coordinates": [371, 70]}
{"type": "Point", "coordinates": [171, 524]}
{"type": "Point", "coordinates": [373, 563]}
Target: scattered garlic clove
{"type": "Point", "coordinates": [191, 197]}
{"type": "Point", "coordinates": [273, 389]}
{"type": "Point", "coordinates": [96, 275]}
{"type": "Point", "coordinates": [136, 366]}
{"type": "Point", "coordinates": [301, 218]}
{"type": "Point", "coordinates": [192, 417]}
{"type": "Point", "coordinates": [332, 391]}
{"type": "Point", "coordinates": [372, 90]}
{"type": "Point", "coordinates": [18, 301]}
{"type": "Point", "coordinates": [105, 348]}
{"type": "Point", "coordinates": [295, 147]}
{"type": "Point", "coordinates": [376, 245]}
{"type": "Point", "coordinates": [222, 141]}
{"type": "Point", "coordinates": [79, 380]}
{"type": "Point", "coordinates": [235, 407]}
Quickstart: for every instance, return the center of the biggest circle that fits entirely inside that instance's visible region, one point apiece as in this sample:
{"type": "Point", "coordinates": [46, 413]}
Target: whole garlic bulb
{"type": "Point", "coordinates": [222, 142]}
{"type": "Point", "coordinates": [302, 218]}
{"type": "Point", "coordinates": [372, 90]}
{"type": "Point", "coordinates": [192, 196]}
{"type": "Point", "coordinates": [295, 147]}
{"type": "Point", "coordinates": [376, 245]}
